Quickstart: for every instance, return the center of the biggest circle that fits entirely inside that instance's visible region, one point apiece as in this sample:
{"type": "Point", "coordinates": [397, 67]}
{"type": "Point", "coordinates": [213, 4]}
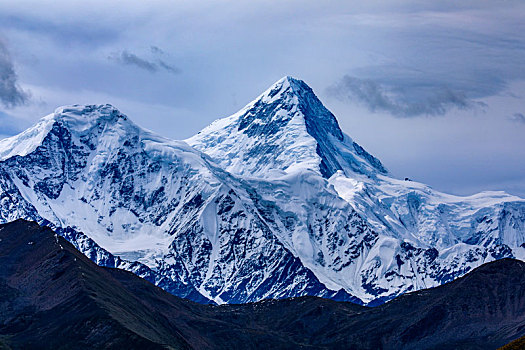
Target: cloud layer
{"type": "Point", "coordinates": [152, 66]}
{"type": "Point", "coordinates": [401, 101]}
{"type": "Point", "coordinates": [518, 117]}
{"type": "Point", "coordinates": [11, 95]}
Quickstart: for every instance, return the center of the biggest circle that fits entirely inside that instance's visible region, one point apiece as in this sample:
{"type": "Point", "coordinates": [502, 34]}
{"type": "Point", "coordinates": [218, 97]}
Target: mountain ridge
{"type": "Point", "coordinates": [52, 296]}
{"type": "Point", "coordinates": [132, 193]}
{"type": "Point", "coordinates": [221, 220]}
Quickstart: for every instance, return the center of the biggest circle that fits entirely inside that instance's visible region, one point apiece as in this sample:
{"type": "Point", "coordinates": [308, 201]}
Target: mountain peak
{"type": "Point", "coordinates": [287, 83]}
{"type": "Point", "coordinates": [84, 117]}
{"type": "Point", "coordinates": [284, 129]}
{"type": "Point", "coordinates": [77, 119]}
{"type": "Point", "coordinates": [294, 94]}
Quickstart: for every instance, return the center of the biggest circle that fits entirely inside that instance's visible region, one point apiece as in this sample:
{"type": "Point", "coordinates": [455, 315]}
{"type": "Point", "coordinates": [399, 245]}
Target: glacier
{"type": "Point", "coordinates": [274, 201]}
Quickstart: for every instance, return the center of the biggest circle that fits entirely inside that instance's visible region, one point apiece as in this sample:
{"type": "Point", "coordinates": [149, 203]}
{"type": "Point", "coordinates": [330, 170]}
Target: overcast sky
{"type": "Point", "coordinates": [435, 90]}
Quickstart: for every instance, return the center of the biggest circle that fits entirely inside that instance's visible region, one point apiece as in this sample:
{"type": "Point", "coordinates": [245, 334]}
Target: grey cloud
{"type": "Point", "coordinates": [518, 117]}
{"type": "Point", "coordinates": [128, 58]}
{"type": "Point", "coordinates": [169, 67]}
{"type": "Point", "coordinates": [132, 59]}
{"type": "Point", "coordinates": [11, 95]}
{"type": "Point", "coordinates": [156, 50]}
{"type": "Point", "coordinates": [408, 100]}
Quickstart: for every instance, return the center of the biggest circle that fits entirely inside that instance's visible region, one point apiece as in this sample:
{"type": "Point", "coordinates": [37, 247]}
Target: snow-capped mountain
{"type": "Point", "coordinates": [274, 201]}
{"type": "Point", "coordinates": [416, 238]}
{"type": "Point", "coordinates": [166, 211]}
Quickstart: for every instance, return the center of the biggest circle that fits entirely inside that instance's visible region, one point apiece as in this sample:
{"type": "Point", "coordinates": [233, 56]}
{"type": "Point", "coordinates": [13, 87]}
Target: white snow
{"type": "Point", "coordinates": [27, 141]}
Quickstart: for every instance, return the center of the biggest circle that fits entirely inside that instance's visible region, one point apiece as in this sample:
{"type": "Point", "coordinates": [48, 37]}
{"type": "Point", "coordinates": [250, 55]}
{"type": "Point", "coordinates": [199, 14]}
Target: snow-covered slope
{"type": "Point", "coordinates": [274, 201]}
